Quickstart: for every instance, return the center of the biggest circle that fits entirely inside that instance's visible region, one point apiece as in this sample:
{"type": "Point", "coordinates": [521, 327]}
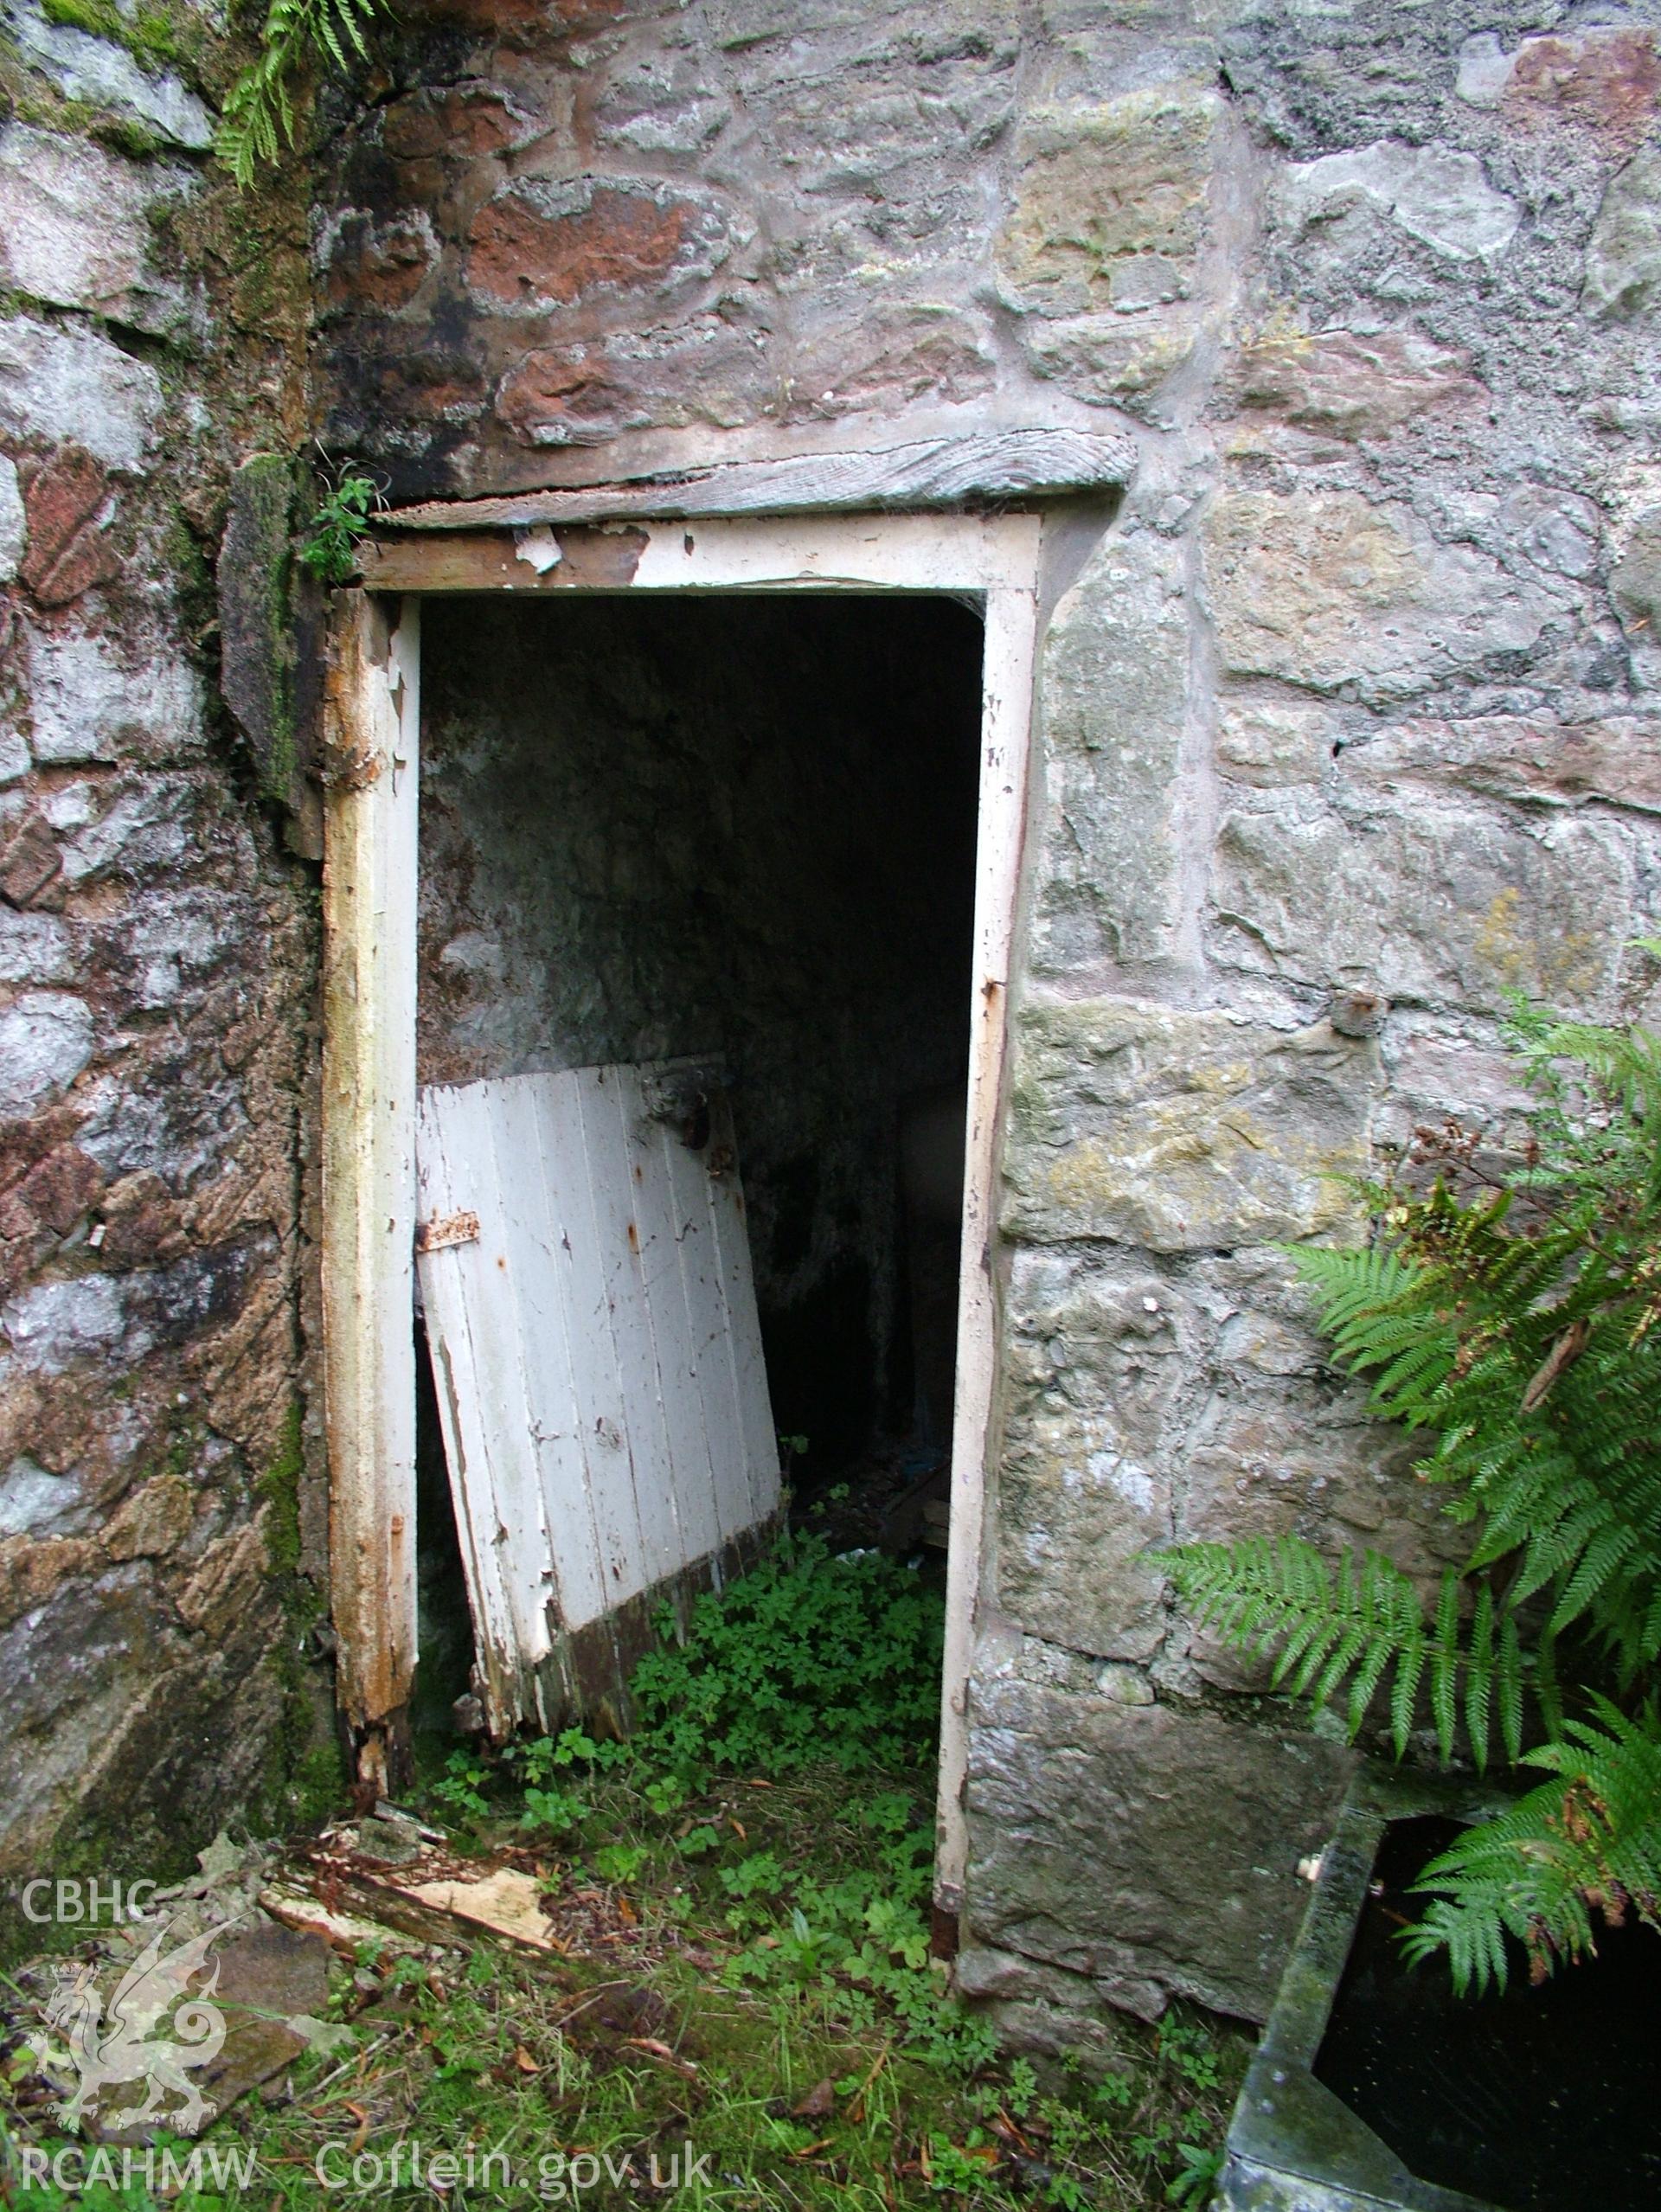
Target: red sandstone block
{"type": "Point", "coordinates": [68, 551]}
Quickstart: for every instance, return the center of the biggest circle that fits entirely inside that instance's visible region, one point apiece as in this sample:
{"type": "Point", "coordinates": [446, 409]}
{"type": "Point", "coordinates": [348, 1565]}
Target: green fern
{"type": "Point", "coordinates": [1361, 1621]}
{"type": "Point", "coordinates": [1511, 1321]}
{"type": "Point", "coordinates": [257, 121]}
{"type": "Point", "coordinates": [1587, 1840]}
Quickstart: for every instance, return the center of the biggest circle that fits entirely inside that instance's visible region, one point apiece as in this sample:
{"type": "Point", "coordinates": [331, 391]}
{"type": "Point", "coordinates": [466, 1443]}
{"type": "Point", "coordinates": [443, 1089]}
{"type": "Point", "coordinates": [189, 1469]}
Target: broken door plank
{"type": "Point", "coordinates": [719, 1291]}
{"type": "Point", "coordinates": [599, 1369]}
{"type": "Point", "coordinates": [474, 1328]}
{"type": "Point", "coordinates": [625, 1450]}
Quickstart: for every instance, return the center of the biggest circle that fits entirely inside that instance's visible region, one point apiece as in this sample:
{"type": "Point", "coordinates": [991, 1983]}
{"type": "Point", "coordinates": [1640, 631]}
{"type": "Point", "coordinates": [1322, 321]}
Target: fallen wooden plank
{"type": "Point", "coordinates": [506, 1902]}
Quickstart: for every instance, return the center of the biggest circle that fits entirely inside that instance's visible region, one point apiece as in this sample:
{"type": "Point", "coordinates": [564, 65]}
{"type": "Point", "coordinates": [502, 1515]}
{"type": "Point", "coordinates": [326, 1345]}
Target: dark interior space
{"type": "Point", "coordinates": [1538, 2098]}
{"type": "Point", "coordinates": [739, 829]}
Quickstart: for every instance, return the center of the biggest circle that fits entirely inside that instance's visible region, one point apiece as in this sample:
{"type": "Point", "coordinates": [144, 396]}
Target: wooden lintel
{"type": "Point", "coordinates": [492, 561]}
{"type": "Point", "coordinates": [941, 553]}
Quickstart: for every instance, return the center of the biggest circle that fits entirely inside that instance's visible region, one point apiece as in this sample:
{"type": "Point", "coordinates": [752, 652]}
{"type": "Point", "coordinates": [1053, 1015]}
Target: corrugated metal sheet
{"type": "Point", "coordinates": [596, 1349]}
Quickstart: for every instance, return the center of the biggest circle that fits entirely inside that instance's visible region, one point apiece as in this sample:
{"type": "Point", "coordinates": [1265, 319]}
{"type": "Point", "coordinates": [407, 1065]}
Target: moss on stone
{"type": "Point", "coordinates": [256, 631]}
{"type": "Point", "coordinates": [150, 36]}
{"type": "Point", "coordinates": [280, 1490]}
{"type": "Point", "coordinates": [305, 1772]}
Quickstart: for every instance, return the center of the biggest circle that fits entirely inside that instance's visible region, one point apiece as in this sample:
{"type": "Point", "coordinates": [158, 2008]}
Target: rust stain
{"type": "Point", "coordinates": [634, 1238]}
{"type": "Point", "coordinates": [446, 1229]}
{"type": "Point", "coordinates": [595, 555]}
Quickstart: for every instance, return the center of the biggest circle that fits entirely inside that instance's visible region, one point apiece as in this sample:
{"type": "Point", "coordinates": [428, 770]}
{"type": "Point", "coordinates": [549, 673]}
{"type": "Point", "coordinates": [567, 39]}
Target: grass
{"type": "Point", "coordinates": [743, 1970]}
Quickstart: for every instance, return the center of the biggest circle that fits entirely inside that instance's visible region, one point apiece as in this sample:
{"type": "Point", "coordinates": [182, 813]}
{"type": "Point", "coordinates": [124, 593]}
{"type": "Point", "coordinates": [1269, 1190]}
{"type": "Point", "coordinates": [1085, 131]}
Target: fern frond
{"type": "Point", "coordinates": [1356, 1621]}
{"type": "Point", "coordinates": [257, 120]}
{"type": "Point", "coordinates": [1588, 1841]}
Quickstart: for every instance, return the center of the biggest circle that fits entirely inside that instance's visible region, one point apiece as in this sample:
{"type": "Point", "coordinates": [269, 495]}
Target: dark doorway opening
{"type": "Point", "coordinates": [739, 829]}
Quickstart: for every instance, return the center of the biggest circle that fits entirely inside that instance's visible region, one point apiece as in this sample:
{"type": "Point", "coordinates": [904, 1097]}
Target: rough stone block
{"type": "Point", "coordinates": [1100, 190]}
{"type": "Point", "coordinates": [74, 226]}
{"type": "Point", "coordinates": [70, 507]}
{"type": "Point", "coordinates": [1623, 261]}
{"type": "Point", "coordinates": [90, 703]}
{"type": "Point", "coordinates": [1531, 760]}
{"type": "Point", "coordinates": [14, 530]}
{"type": "Point", "coordinates": [59, 1188]}
{"type": "Point", "coordinates": [1295, 1456]}
{"type": "Point", "coordinates": [85, 68]}
{"type": "Point", "coordinates": [1151, 1850]}
{"type": "Point", "coordinates": [1442, 198]}
{"type": "Point", "coordinates": [378, 265]}
{"type": "Point", "coordinates": [1107, 359]}
{"type": "Point", "coordinates": [152, 1519]}
{"type": "Point", "coordinates": [853, 353]}
{"type": "Point", "coordinates": [257, 650]}
{"type": "Point", "coordinates": [1180, 1131]}
{"type": "Point", "coordinates": [57, 1325]}
{"type": "Point", "coordinates": [706, 368]}
{"type": "Point", "coordinates": [1356, 384]}
{"type": "Point", "coordinates": [457, 123]}
{"type": "Point", "coordinates": [35, 948]}
{"type": "Point", "coordinates": [29, 861]}
{"type": "Point", "coordinates": [1635, 587]}
{"type": "Point", "coordinates": [46, 1039]}
{"type": "Point", "coordinates": [1084, 1483]}
{"type": "Point", "coordinates": [662, 103]}
{"type": "Point", "coordinates": [37, 1501]}
{"type": "Point", "coordinates": [1604, 78]}
{"type": "Point", "coordinates": [1267, 742]}
{"type": "Point", "coordinates": [69, 386]}
{"type": "Point", "coordinates": [142, 829]}
{"type": "Point", "coordinates": [1437, 1071]}
{"type": "Point", "coordinates": [543, 243]}
{"type": "Point", "coordinates": [1115, 693]}
{"type": "Point", "coordinates": [1425, 899]}
{"type": "Point", "coordinates": [1327, 590]}
{"type": "Point", "coordinates": [562, 395]}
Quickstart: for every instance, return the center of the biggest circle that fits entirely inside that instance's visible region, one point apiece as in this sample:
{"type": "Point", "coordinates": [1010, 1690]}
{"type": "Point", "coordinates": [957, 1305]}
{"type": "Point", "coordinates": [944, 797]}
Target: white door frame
{"type": "Point", "coordinates": [369, 872]}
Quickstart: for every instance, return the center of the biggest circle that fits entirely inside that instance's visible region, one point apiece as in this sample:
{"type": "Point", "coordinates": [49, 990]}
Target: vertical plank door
{"type": "Point", "coordinates": [584, 1272]}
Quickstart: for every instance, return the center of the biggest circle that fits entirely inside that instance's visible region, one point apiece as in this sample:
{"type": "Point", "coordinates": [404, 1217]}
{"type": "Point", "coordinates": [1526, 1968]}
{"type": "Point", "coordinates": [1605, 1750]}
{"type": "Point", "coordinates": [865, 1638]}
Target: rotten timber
{"type": "Point", "coordinates": [920, 475]}
{"type": "Point", "coordinates": [368, 1166]}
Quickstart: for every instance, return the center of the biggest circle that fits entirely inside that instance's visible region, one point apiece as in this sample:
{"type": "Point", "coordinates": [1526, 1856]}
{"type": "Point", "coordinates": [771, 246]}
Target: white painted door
{"type": "Point", "coordinates": [585, 1272]}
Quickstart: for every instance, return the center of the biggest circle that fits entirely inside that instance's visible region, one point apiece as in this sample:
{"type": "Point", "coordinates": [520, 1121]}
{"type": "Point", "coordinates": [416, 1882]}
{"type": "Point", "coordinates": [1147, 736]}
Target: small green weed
{"type": "Point", "coordinates": [807, 1661]}
{"type": "Point", "coordinates": [756, 1981]}
{"type": "Point", "coordinates": [330, 545]}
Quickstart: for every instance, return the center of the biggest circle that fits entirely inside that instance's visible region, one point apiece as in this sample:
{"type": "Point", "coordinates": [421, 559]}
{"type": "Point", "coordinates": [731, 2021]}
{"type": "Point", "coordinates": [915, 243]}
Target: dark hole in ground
{"type": "Point", "coordinates": [1543, 2099]}
{"type": "Point", "coordinates": [657, 827]}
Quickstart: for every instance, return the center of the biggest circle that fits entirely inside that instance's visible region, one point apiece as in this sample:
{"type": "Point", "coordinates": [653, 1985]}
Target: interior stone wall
{"type": "Point", "coordinates": [157, 950]}
{"type": "Point", "coordinates": [1352, 711]}
{"type": "Point", "coordinates": [742, 828]}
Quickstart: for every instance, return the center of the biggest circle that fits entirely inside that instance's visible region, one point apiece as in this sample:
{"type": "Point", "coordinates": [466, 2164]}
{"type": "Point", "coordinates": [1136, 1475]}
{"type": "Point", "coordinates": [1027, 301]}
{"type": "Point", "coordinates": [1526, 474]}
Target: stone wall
{"type": "Point", "coordinates": [156, 974]}
{"type": "Point", "coordinates": [1347, 726]}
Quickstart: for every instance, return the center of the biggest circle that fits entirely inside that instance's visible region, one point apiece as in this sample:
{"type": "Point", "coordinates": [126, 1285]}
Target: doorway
{"type": "Point", "coordinates": [738, 831]}
{"type": "Point", "coordinates": [846, 1272]}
